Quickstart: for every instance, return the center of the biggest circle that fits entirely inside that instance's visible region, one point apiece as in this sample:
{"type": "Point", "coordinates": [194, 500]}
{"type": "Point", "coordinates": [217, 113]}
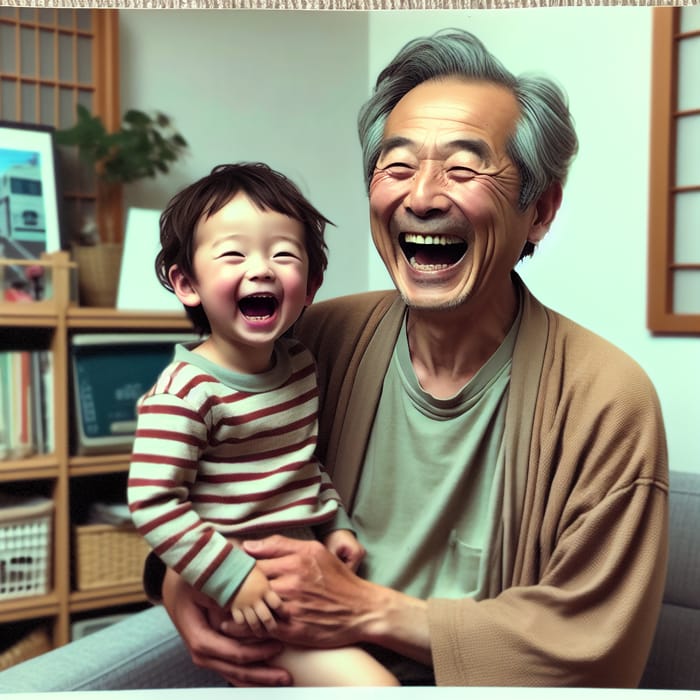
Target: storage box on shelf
{"type": "Point", "coordinates": [48, 324]}
{"type": "Point", "coordinates": [25, 546]}
{"type": "Point", "coordinates": [108, 555]}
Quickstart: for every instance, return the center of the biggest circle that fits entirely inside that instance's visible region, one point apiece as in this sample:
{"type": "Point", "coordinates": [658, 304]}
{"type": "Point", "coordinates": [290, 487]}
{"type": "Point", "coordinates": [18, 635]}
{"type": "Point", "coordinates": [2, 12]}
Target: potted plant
{"type": "Point", "coordinates": [145, 146]}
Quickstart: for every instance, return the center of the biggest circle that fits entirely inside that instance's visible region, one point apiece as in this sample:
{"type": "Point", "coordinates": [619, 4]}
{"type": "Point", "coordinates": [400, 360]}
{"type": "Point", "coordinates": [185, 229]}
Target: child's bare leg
{"type": "Point", "coordinates": [346, 666]}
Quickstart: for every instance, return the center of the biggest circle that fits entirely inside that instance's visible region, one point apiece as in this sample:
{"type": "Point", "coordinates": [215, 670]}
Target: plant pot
{"type": "Point", "coordinates": [98, 273]}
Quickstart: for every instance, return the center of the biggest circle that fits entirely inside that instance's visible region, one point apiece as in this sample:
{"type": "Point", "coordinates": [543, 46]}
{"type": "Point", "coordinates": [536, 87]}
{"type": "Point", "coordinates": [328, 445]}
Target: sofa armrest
{"type": "Point", "coordinates": [142, 651]}
{"type": "Point", "coordinates": [673, 661]}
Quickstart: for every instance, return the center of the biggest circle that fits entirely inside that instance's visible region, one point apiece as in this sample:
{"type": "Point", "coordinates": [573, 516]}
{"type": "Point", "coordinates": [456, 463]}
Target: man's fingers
{"type": "Point", "coordinates": [258, 676]}
{"type": "Point", "coordinates": [271, 547]}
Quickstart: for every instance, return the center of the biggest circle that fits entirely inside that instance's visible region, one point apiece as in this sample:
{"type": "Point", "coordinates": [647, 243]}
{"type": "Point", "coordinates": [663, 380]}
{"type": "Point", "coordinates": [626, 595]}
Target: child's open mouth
{"type": "Point", "coordinates": [258, 307]}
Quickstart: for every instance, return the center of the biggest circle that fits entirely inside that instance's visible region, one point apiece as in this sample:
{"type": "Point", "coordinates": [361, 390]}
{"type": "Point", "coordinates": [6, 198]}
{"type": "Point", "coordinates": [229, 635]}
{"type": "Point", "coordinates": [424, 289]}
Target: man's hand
{"type": "Point", "coordinates": [324, 603]}
{"type": "Point", "coordinates": [345, 546]}
{"type": "Point", "coordinates": [240, 661]}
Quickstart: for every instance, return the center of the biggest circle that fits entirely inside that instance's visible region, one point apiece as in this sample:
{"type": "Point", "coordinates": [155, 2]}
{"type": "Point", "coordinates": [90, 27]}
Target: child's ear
{"type": "Point", "coordinates": [312, 287]}
{"type": "Point", "coordinates": [183, 287]}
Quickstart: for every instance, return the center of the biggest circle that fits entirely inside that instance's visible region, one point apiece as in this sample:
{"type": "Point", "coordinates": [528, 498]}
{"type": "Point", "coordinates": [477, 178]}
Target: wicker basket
{"type": "Point", "coordinates": [25, 546]}
{"type": "Point", "coordinates": [108, 555]}
{"type": "Point", "coordinates": [33, 644]}
{"type": "Point", "coordinates": [98, 273]}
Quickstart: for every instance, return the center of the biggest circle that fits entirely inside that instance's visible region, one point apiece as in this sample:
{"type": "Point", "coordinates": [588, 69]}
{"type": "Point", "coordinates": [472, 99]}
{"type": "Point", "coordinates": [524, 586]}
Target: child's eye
{"type": "Point", "coordinates": [230, 254]}
{"type": "Point", "coordinates": [286, 254]}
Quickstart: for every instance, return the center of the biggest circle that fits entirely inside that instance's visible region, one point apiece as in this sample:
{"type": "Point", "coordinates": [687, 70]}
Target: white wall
{"type": "Point", "coordinates": [279, 87]}
{"type": "Point", "coordinates": [285, 87]}
{"type": "Point", "coordinates": [592, 265]}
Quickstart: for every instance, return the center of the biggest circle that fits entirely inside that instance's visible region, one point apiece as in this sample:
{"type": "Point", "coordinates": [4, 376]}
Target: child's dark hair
{"type": "Point", "coordinates": [267, 188]}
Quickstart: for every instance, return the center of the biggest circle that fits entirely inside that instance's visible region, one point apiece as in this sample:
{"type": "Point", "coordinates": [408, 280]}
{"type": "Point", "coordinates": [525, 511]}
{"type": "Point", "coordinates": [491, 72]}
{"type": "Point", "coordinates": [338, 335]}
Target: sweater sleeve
{"type": "Point", "coordinates": [170, 437]}
{"type": "Point", "coordinates": [590, 569]}
{"type": "Point", "coordinates": [587, 622]}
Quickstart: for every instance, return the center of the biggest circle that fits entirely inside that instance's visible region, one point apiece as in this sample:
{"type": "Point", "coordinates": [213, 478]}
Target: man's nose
{"type": "Point", "coordinates": [426, 195]}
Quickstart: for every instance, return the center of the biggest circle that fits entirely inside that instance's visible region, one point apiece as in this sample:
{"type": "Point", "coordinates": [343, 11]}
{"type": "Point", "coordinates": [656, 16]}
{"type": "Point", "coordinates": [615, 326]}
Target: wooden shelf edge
{"type": "Point", "coordinates": [88, 465]}
{"type": "Point", "coordinates": [28, 607]}
{"type": "Point", "coordinates": [109, 596]}
{"type": "Point", "coordinates": [31, 313]}
{"type": "Point", "coordinates": [96, 317]}
{"type": "Point", "coordinates": [34, 467]}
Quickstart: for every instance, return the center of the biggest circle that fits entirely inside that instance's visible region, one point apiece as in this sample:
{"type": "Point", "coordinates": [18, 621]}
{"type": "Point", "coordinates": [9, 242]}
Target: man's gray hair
{"type": "Point", "coordinates": [544, 142]}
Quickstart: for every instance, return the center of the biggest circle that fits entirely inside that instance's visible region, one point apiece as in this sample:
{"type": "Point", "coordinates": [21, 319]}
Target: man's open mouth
{"type": "Point", "coordinates": [258, 307]}
{"type": "Point", "coordinates": [429, 253]}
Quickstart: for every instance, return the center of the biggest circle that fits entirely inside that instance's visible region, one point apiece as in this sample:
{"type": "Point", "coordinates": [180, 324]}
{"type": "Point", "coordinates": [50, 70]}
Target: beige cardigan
{"type": "Point", "coordinates": [579, 565]}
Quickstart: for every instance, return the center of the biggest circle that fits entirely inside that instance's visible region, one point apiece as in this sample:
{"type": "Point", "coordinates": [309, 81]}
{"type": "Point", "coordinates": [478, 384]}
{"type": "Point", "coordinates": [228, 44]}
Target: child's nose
{"type": "Point", "coordinates": [259, 268]}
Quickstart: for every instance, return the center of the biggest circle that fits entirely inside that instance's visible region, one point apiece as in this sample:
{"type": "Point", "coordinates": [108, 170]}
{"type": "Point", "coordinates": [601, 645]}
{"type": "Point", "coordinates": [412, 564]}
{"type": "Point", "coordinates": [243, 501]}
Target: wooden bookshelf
{"type": "Point", "coordinates": [52, 322]}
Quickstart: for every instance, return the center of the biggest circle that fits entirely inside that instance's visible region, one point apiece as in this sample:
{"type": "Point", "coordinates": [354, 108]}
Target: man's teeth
{"type": "Point", "coordinates": [420, 239]}
{"type": "Point", "coordinates": [426, 268]}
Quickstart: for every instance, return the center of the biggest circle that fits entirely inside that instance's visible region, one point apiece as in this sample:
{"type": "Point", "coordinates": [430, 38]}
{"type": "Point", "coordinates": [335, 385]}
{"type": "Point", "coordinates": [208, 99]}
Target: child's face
{"type": "Point", "coordinates": [251, 276]}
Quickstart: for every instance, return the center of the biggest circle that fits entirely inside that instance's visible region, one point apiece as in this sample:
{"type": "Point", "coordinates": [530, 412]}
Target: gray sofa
{"type": "Point", "coordinates": [144, 651]}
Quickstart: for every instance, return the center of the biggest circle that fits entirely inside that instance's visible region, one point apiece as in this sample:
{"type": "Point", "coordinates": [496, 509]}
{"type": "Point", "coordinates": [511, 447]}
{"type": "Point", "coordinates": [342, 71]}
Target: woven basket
{"type": "Point", "coordinates": [33, 644]}
{"type": "Point", "coordinates": [108, 555]}
{"type": "Point", "coordinates": [98, 273]}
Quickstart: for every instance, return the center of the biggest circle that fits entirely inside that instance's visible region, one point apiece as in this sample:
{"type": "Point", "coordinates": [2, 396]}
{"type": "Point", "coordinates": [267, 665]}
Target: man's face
{"type": "Point", "coordinates": [444, 195]}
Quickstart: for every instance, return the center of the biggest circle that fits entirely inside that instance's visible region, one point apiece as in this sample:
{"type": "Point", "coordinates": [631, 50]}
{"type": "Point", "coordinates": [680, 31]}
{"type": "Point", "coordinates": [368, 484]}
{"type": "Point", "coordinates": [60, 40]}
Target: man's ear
{"type": "Point", "coordinates": [546, 209]}
{"type": "Point", "coordinates": [183, 287]}
{"type": "Point", "coordinates": [312, 287]}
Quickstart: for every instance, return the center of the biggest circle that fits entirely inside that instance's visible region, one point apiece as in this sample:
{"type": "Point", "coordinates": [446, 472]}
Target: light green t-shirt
{"type": "Point", "coordinates": [430, 491]}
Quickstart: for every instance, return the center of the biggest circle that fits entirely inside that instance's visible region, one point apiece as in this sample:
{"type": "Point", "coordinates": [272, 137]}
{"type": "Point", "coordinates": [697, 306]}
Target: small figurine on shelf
{"type": "Point", "coordinates": [35, 275]}
{"type": "Point", "coordinates": [17, 291]}
{"type": "Point", "coordinates": [88, 234]}
{"type": "Point", "coordinates": [30, 288]}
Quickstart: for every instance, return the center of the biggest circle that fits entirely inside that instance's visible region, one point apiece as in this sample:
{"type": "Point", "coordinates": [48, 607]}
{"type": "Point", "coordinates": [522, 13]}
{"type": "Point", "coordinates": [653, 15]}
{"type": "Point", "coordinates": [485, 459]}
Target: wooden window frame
{"type": "Point", "coordinates": [107, 105]}
{"type": "Point", "coordinates": [105, 90]}
{"type": "Point", "coordinates": [661, 317]}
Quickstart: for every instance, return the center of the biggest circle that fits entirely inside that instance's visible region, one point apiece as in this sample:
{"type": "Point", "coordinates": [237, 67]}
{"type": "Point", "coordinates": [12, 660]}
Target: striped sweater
{"type": "Point", "coordinates": [218, 453]}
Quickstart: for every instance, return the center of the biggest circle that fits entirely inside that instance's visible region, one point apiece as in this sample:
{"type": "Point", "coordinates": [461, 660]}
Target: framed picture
{"type": "Point", "coordinates": [29, 206]}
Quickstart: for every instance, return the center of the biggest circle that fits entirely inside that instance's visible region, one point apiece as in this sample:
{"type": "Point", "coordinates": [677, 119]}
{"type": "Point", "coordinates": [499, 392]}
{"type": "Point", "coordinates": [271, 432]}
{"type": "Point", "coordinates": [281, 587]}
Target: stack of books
{"type": "Point", "coordinates": [26, 390]}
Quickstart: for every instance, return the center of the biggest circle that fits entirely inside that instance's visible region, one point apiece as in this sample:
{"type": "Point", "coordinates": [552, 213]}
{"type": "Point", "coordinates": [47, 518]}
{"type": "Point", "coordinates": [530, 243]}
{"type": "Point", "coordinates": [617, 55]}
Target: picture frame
{"type": "Point", "coordinates": [30, 222]}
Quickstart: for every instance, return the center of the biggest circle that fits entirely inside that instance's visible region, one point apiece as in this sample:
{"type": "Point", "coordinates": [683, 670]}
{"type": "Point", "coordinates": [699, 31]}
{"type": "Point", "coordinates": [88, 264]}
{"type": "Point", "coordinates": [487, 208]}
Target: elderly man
{"type": "Point", "coordinates": [505, 468]}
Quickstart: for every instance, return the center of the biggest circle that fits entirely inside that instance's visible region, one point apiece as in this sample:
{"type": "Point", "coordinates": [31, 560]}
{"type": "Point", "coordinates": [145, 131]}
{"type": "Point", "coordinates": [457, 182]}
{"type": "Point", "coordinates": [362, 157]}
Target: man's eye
{"type": "Point", "coordinates": [462, 172]}
{"type": "Point", "coordinates": [399, 169]}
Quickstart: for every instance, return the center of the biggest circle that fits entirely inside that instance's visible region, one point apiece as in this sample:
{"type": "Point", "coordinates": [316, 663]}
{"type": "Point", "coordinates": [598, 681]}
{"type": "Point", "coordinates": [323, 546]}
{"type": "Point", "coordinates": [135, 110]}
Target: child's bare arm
{"type": "Point", "coordinates": [255, 602]}
{"type": "Point", "coordinates": [345, 546]}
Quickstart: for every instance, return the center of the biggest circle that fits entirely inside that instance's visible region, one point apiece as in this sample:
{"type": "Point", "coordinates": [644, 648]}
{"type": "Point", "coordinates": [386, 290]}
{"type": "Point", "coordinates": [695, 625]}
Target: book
{"type": "Point", "coordinates": [26, 400]}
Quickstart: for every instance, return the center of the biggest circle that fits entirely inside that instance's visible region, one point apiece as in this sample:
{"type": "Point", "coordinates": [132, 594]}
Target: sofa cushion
{"type": "Point", "coordinates": [683, 579]}
{"type": "Point", "coordinates": [673, 662]}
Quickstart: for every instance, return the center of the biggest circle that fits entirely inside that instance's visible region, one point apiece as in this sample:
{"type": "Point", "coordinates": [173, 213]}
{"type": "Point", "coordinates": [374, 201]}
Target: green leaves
{"type": "Point", "coordinates": [144, 146]}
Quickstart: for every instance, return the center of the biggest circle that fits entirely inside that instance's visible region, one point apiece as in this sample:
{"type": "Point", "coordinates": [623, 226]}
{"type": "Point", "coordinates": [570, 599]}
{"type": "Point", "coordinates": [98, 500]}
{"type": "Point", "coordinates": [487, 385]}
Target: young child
{"type": "Point", "coordinates": [225, 440]}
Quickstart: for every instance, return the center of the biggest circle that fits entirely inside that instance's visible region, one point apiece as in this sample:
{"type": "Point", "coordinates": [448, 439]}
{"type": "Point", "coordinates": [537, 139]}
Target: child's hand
{"type": "Point", "coordinates": [255, 602]}
{"type": "Point", "coordinates": [345, 546]}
